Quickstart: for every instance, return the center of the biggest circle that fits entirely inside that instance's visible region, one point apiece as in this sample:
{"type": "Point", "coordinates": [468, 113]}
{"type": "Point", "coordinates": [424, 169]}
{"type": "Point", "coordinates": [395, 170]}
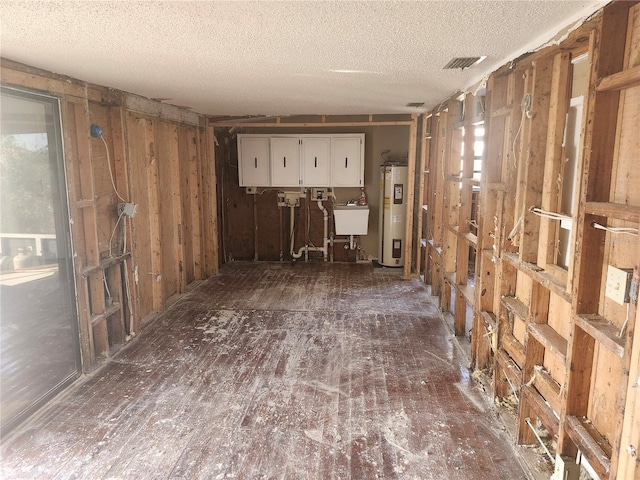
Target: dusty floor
{"type": "Point", "coordinates": [278, 371]}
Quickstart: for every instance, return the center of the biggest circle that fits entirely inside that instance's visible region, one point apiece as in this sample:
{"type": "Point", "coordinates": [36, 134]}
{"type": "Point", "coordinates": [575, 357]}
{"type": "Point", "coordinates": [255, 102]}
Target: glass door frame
{"type": "Point", "coordinates": [56, 148]}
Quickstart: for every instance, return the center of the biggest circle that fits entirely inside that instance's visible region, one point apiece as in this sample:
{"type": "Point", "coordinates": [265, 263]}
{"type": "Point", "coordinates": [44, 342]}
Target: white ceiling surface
{"type": "Point", "coordinates": [282, 57]}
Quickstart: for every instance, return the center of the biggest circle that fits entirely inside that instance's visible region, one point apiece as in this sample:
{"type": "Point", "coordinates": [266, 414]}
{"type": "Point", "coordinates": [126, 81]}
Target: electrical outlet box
{"type": "Point", "coordinates": [289, 199]}
{"type": "Point", "coordinates": [250, 190]}
{"type": "Point", "coordinates": [618, 284]}
{"type": "Point", "coordinates": [319, 194]}
{"type": "Point", "coordinates": [565, 469]}
{"type": "Point", "coordinates": [128, 209]}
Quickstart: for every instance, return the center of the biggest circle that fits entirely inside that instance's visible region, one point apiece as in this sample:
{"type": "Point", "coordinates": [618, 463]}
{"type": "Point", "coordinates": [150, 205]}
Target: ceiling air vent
{"type": "Point", "coordinates": [462, 62]}
{"type": "Point", "coordinates": [415, 104]}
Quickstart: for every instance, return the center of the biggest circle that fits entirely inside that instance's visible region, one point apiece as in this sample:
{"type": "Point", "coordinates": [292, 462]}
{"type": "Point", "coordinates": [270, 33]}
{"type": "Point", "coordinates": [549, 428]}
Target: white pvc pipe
{"type": "Point", "coordinates": [292, 234]}
{"type": "Point", "coordinates": [325, 231]}
{"type": "Point", "coordinates": [325, 239]}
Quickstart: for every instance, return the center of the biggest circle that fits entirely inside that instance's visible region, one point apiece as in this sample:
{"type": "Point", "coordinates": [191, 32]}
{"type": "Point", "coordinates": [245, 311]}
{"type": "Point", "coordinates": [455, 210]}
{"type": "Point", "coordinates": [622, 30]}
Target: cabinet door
{"type": "Point", "coordinates": [253, 161]}
{"type": "Point", "coordinates": [347, 162]}
{"type": "Point", "coordinates": [285, 162]}
{"type": "Point", "coordinates": [315, 161]}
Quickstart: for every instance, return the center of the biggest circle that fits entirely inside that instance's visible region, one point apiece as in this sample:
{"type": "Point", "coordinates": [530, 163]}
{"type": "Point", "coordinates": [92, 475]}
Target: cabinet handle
{"type": "Point", "coordinates": [346, 162]}
{"type": "Point", "coordinates": [285, 161]}
{"type": "Point", "coordinates": [255, 162]}
{"type": "Point", "coordinates": [315, 162]}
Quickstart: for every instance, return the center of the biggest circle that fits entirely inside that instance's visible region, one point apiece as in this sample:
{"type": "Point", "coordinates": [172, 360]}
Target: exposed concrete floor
{"type": "Point", "coordinates": [278, 371]}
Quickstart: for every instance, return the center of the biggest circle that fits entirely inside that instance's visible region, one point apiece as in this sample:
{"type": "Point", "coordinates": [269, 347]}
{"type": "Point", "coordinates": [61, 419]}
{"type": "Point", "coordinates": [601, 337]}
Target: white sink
{"type": "Point", "coordinates": [351, 219]}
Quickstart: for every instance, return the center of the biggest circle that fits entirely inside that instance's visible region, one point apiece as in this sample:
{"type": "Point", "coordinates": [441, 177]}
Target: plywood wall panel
{"type": "Point", "coordinates": [185, 137]}
{"type": "Point", "coordinates": [195, 212]}
{"type": "Point", "coordinates": [519, 329]}
{"type": "Point", "coordinates": [140, 133]}
{"type": "Point", "coordinates": [606, 378]}
{"type": "Point", "coordinates": [209, 214]}
{"type": "Point", "coordinates": [559, 315]}
{"type": "Point", "coordinates": [555, 365]}
{"type": "Point", "coordinates": [495, 155]}
{"type": "Point", "coordinates": [523, 287]}
{"type": "Point", "coordinates": [629, 467]}
{"type": "Point", "coordinates": [625, 187]}
{"type": "Point", "coordinates": [170, 208]}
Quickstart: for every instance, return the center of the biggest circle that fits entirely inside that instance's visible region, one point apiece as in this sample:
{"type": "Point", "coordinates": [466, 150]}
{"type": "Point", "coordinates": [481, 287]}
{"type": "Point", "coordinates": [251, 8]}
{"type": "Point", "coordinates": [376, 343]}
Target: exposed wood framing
{"type": "Point", "coordinates": [419, 201]}
{"type": "Point", "coordinates": [150, 169]}
{"type": "Point", "coordinates": [554, 158]}
{"type": "Point", "coordinates": [554, 334]}
{"type": "Point", "coordinates": [320, 121]}
{"type": "Point", "coordinates": [411, 175]}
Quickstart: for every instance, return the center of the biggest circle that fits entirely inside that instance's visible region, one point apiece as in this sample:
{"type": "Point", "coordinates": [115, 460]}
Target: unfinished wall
{"type": "Point", "coordinates": [559, 182]}
{"type": "Point", "coordinates": [161, 159]}
{"type": "Point", "coordinates": [256, 229]}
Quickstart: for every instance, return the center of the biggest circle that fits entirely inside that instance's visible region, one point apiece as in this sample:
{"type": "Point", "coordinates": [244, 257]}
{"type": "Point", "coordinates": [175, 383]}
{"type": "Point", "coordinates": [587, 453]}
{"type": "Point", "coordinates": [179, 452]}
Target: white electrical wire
{"type": "Point", "coordinates": [124, 242]}
{"type": "Point", "coordinates": [515, 139]}
{"type": "Point", "coordinates": [110, 172]}
{"type": "Point", "coordinates": [515, 393]}
{"type": "Point", "coordinates": [113, 233]}
{"type": "Point", "coordinates": [533, 429]}
{"type": "Point", "coordinates": [620, 230]}
{"type": "Point", "coordinates": [513, 232]}
{"type": "Point", "coordinates": [546, 214]}
{"type": "Point", "coordinates": [106, 286]}
{"type": "Point", "coordinates": [126, 275]}
{"type": "Point", "coordinates": [473, 223]}
{"type": "Point", "coordinates": [626, 321]}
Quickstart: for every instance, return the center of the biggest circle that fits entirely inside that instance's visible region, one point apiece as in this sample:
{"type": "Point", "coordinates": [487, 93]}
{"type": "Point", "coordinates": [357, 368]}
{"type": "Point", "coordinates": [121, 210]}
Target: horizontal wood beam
{"type": "Point", "coordinates": [104, 264]}
{"type": "Point", "coordinates": [145, 106]}
{"type": "Point", "coordinates": [629, 213]}
{"type": "Point", "coordinates": [625, 79]}
{"type": "Point", "coordinates": [578, 431]}
{"type": "Point", "coordinates": [514, 349]}
{"type": "Point", "coordinates": [603, 331]}
{"type": "Point", "coordinates": [540, 409]}
{"type": "Point", "coordinates": [406, 123]}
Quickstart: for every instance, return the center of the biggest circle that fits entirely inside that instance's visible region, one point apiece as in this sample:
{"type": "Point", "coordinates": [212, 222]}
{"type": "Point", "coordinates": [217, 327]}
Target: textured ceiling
{"type": "Point", "coordinates": [279, 58]}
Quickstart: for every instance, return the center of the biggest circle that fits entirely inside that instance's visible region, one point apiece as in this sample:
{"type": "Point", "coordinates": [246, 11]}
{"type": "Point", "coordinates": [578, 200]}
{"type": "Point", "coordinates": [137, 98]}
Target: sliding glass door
{"type": "Point", "coordinates": [39, 352]}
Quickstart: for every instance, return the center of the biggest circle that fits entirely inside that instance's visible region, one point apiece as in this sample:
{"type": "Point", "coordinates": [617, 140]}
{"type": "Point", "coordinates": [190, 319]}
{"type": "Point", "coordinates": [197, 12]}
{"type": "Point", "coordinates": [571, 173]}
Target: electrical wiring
{"type": "Point", "coordinates": [513, 232]}
{"type": "Point", "coordinates": [619, 230]}
{"type": "Point", "coordinates": [126, 278]}
{"type": "Point", "coordinates": [113, 183]}
{"type": "Point", "coordinates": [535, 432]}
{"type": "Point", "coordinates": [113, 233]}
{"type": "Point", "coordinates": [124, 242]}
{"type": "Point", "coordinates": [525, 108]}
{"type": "Point", "coordinates": [515, 140]}
{"type": "Point", "coordinates": [626, 321]}
{"type": "Point", "coordinates": [546, 214]}
{"type": "Point", "coordinates": [106, 286]}
{"type": "Point", "coordinates": [473, 223]}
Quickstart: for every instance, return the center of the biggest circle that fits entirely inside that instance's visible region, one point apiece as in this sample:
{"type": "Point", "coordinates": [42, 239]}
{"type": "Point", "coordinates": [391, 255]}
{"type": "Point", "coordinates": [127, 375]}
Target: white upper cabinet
{"type": "Point", "coordinates": [347, 161]}
{"type": "Point", "coordinates": [299, 160]}
{"type": "Point", "coordinates": [285, 161]}
{"type": "Point", "coordinates": [253, 161]}
{"type": "Point", "coordinates": [316, 155]}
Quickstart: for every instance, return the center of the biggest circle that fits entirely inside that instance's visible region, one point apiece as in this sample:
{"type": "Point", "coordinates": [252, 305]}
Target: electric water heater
{"type": "Point", "coordinates": [393, 212]}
